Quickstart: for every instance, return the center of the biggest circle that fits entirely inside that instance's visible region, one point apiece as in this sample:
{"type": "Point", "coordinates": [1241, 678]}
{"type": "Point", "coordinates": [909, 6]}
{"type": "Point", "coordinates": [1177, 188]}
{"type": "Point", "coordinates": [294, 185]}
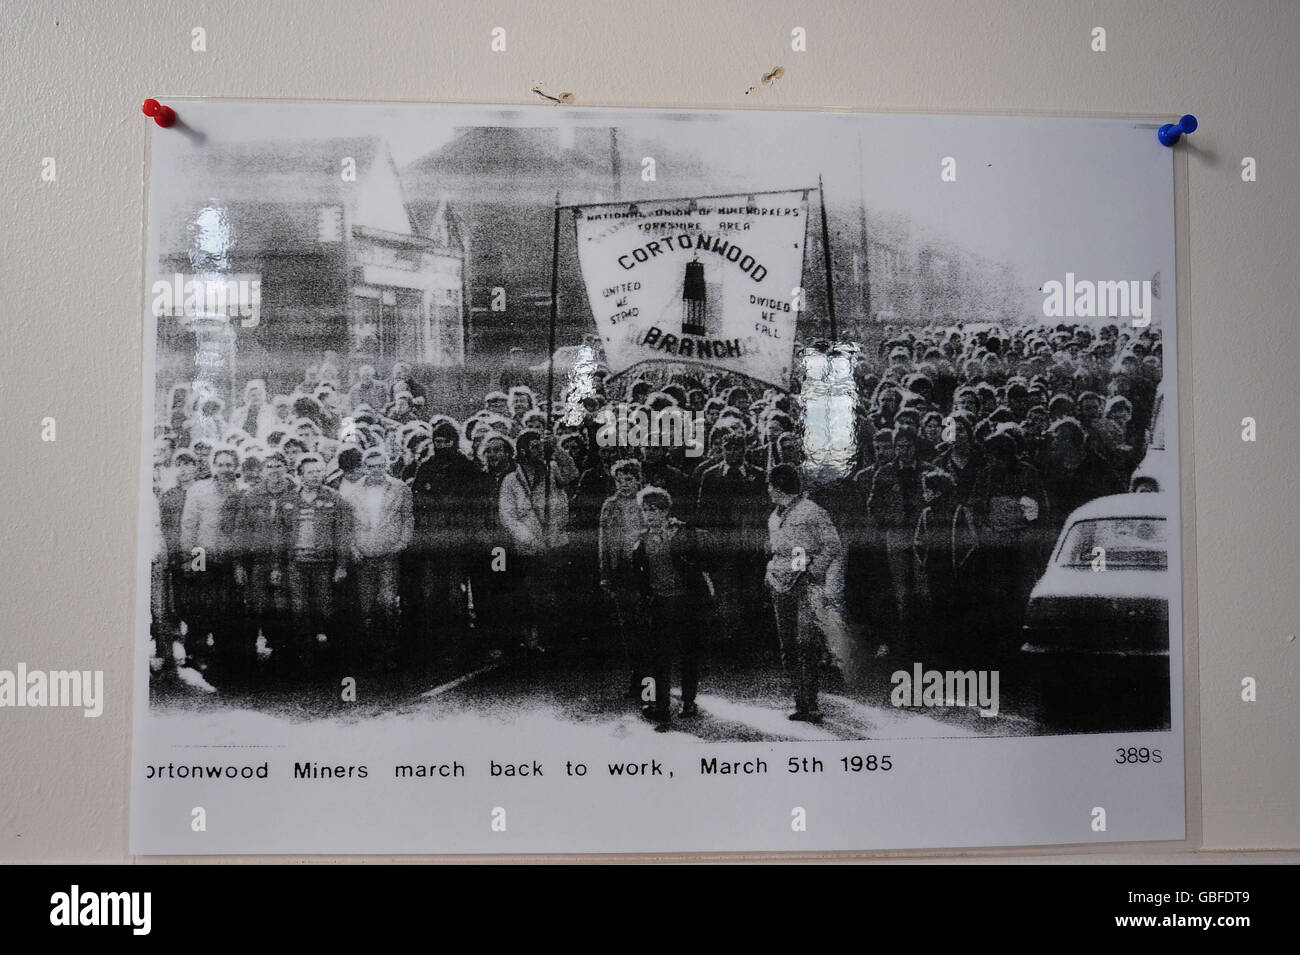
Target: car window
{"type": "Point", "coordinates": [1130, 543]}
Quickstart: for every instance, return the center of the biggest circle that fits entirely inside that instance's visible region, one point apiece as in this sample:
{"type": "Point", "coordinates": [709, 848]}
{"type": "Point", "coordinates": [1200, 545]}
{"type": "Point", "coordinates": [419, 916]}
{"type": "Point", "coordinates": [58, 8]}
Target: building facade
{"type": "Point", "coordinates": [323, 228]}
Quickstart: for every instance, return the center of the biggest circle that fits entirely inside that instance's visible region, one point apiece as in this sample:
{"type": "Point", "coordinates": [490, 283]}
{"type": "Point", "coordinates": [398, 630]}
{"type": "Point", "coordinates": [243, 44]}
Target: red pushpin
{"type": "Point", "coordinates": [162, 115]}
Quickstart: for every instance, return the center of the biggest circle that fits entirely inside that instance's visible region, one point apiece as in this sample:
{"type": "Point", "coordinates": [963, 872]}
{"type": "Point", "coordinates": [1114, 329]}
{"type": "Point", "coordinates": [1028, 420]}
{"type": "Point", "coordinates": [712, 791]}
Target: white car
{"type": "Point", "coordinates": [1097, 623]}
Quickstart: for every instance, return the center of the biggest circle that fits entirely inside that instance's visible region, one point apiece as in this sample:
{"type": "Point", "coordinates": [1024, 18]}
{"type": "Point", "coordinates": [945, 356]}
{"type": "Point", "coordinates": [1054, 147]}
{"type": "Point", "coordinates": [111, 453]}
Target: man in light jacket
{"type": "Point", "coordinates": [383, 522]}
{"type": "Point", "coordinates": [206, 552]}
{"type": "Point", "coordinates": [535, 512]}
{"type": "Point", "coordinates": [255, 417]}
{"type": "Point", "coordinates": [804, 545]}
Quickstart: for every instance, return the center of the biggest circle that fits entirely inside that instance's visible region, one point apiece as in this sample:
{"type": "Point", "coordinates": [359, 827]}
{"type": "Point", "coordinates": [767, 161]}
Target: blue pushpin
{"type": "Point", "coordinates": [1170, 133]}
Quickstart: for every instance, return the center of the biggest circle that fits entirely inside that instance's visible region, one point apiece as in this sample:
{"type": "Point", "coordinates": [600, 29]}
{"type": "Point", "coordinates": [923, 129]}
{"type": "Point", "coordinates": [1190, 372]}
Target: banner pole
{"type": "Point", "coordinates": [550, 363]}
{"type": "Point", "coordinates": [866, 244]}
{"type": "Point", "coordinates": [826, 257]}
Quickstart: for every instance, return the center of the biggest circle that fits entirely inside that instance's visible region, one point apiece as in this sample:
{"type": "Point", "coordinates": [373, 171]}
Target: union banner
{"type": "Point", "coordinates": [714, 280]}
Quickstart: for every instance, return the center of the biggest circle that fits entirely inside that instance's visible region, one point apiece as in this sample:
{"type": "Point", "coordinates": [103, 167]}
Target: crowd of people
{"type": "Point", "coordinates": [345, 526]}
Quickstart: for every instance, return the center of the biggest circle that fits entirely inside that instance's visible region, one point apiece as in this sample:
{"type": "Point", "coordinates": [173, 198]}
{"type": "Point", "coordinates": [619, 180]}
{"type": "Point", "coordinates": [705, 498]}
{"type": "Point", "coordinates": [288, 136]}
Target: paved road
{"type": "Point", "coordinates": [737, 701]}
{"type": "Point", "coordinates": [736, 704]}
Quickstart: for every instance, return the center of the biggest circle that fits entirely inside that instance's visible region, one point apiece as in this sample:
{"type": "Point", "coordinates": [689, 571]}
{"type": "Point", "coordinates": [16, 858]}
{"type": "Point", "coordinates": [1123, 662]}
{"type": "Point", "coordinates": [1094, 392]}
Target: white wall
{"type": "Point", "coordinates": [71, 275]}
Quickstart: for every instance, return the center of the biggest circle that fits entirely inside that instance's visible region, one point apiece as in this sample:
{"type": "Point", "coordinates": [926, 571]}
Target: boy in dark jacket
{"type": "Point", "coordinates": [666, 565]}
{"type": "Point", "coordinates": [317, 552]}
{"type": "Point", "coordinates": [621, 527]}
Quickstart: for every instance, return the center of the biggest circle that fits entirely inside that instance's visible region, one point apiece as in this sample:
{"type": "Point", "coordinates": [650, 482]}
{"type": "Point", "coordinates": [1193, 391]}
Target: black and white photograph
{"type": "Point", "coordinates": [493, 456]}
